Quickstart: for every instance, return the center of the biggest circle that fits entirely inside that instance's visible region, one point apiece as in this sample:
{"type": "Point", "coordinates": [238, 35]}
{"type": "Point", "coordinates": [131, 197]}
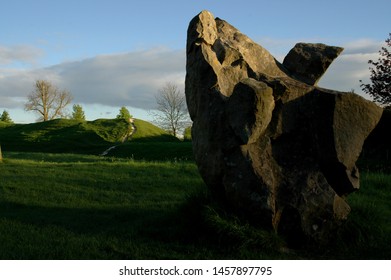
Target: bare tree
{"type": "Point", "coordinates": [48, 101]}
{"type": "Point", "coordinates": [172, 113]}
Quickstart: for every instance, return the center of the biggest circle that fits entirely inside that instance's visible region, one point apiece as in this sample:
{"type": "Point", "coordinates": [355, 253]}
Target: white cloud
{"type": "Point", "coordinates": [19, 54]}
{"type": "Point", "coordinates": [362, 46]}
{"type": "Point", "coordinates": [9, 102]}
{"type": "Point", "coordinates": [127, 79]}
{"type": "Point", "coordinates": [352, 66]}
{"type": "Point", "coordinates": [132, 79]}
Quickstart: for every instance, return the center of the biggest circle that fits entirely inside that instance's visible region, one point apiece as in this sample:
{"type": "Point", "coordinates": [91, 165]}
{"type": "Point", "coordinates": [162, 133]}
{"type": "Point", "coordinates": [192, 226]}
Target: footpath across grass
{"type": "Point", "coordinates": [70, 206]}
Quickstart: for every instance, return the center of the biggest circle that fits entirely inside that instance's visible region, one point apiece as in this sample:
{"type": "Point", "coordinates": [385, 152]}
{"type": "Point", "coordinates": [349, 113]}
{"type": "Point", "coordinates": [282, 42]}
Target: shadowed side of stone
{"type": "Point", "coordinates": [267, 142]}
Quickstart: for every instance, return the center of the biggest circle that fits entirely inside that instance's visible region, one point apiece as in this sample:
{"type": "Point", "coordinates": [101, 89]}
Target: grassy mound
{"type": "Point", "coordinates": [147, 132]}
{"type": "Point", "coordinates": [70, 136]}
{"type": "Point", "coordinates": [4, 124]}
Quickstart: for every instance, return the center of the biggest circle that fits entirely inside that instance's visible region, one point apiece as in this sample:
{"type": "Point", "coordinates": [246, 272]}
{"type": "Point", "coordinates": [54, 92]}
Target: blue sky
{"type": "Point", "coordinates": [119, 53]}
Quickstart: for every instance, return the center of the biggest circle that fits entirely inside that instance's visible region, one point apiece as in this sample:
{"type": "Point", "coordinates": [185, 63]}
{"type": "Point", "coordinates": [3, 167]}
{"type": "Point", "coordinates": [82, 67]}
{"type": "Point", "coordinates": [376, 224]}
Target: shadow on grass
{"type": "Point", "coordinates": [84, 220]}
{"type": "Point", "coordinates": [193, 230]}
{"type": "Point", "coordinates": [114, 233]}
{"type": "Point", "coordinates": [188, 231]}
{"type": "Point", "coordinates": [53, 157]}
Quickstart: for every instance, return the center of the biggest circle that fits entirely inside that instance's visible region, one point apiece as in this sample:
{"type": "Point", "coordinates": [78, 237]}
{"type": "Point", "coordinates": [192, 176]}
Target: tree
{"type": "Point", "coordinates": [48, 101]}
{"type": "Point", "coordinates": [78, 113]}
{"type": "Point", "coordinates": [124, 114]}
{"type": "Point", "coordinates": [380, 89]}
{"type": "Point", "coordinates": [5, 117]}
{"type": "Point", "coordinates": [171, 111]}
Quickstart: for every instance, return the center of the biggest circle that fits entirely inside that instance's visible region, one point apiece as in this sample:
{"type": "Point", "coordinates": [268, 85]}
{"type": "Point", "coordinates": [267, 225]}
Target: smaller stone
{"type": "Point", "coordinates": [308, 62]}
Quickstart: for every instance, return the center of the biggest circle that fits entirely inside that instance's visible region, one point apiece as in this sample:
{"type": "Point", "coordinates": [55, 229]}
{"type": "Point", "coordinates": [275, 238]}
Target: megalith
{"type": "Point", "coordinates": [267, 141]}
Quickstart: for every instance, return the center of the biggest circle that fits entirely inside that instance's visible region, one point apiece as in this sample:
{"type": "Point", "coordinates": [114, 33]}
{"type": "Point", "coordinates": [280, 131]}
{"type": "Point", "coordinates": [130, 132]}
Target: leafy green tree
{"type": "Point", "coordinates": [380, 88]}
{"type": "Point", "coordinates": [124, 114]}
{"type": "Point", "coordinates": [5, 117]}
{"type": "Point", "coordinates": [78, 113]}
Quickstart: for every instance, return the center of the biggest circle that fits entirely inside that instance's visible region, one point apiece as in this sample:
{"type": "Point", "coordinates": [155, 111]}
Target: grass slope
{"type": "Point", "coordinates": [147, 132]}
{"type": "Point", "coordinates": [67, 206]}
{"type": "Point", "coordinates": [88, 207]}
{"type": "Point", "coordinates": [69, 136]}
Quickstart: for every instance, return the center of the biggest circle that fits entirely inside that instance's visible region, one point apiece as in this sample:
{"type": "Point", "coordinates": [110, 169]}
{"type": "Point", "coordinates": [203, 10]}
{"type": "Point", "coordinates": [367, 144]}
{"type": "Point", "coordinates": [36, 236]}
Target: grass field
{"type": "Point", "coordinates": [70, 206]}
{"type": "Point", "coordinates": [82, 207]}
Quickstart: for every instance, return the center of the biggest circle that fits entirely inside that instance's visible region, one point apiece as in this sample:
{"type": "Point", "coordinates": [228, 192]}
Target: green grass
{"type": "Point", "coordinates": [72, 206]}
{"type": "Point", "coordinates": [87, 207]}
{"type": "Point", "coordinates": [147, 132]}
{"type": "Point", "coordinates": [4, 124]}
{"type": "Point", "coordinates": [70, 136]}
{"type": "Point", "coordinates": [367, 233]}
{"type": "Point", "coordinates": [154, 151]}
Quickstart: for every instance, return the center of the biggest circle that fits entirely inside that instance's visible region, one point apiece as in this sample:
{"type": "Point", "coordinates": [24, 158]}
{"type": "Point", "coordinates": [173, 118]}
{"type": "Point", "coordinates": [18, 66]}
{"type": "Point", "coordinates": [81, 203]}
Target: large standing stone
{"type": "Point", "coordinates": [267, 141]}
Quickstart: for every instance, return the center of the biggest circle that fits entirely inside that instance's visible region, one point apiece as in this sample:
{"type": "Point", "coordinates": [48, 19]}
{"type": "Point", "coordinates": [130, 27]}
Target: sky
{"type": "Point", "coordinates": [116, 53]}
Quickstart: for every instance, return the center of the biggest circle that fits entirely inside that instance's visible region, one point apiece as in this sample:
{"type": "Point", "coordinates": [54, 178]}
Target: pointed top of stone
{"type": "Point", "coordinates": [308, 62]}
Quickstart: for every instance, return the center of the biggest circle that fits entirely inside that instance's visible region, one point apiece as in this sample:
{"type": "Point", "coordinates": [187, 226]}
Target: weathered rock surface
{"type": "Point", "coordinates": [267, 142]}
